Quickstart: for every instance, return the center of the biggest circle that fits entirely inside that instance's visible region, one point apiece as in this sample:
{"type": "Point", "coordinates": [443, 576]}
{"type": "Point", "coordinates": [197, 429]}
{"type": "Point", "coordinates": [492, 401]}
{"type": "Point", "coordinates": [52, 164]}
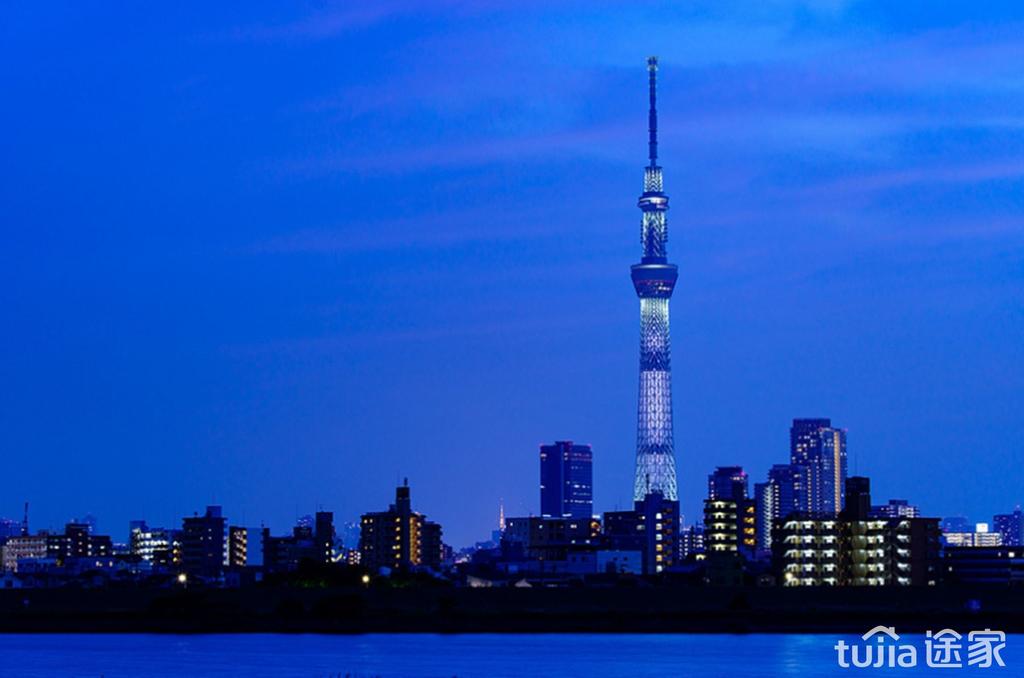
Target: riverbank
{"type": "Point", "coordinates": [463, 610]}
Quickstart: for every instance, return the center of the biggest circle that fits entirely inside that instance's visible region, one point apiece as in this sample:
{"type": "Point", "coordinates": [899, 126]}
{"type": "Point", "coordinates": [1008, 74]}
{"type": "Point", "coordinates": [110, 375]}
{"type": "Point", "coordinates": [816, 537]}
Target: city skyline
{"type": "Point", "coordinates": [282, 288]}
{"type": "Point", "coordinates": [731, 482]}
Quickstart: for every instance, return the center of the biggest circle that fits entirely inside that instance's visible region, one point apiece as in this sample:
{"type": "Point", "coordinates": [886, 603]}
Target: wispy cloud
{"type": "Point", "coordinates": [941, 172]}
{"type": "Point", "coordinates": [332, 20]}
{"type": "Point", "coordinates": [587, 141]}
{"type": "Point", "coordinates": [440, 230]}
{"type": "Point", "coordinates": [345, 16]}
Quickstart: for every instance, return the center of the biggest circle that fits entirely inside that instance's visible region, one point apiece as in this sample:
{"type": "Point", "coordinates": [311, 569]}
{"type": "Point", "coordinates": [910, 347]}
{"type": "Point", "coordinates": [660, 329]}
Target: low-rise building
{"type": "Point", "coordinates": [311, 540]}
{"type": "Point", "coordinates": [980, 536]}
{"type": "Point", "coordinates": [652, 528]}
{"type": "Point", "coordinates": [985, 565]}
{"type": "Point", "coordinates": [156, 545]}
{"type": "Point", "coordinates": [855, 549]}
{"type": "Point", "coordinates": [806, 551]}
{"type": "Point", "coordinates": [545, 538]}
{"type": "Point", "coordinates": [896, 508]}
{"type": "Point", "coordinates": [18, 549]}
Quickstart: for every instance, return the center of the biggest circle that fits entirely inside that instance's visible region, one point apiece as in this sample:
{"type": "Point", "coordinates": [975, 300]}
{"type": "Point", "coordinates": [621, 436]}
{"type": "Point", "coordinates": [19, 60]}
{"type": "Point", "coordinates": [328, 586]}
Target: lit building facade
{"type": "Point", "coordinates": [238, 546]}
{"type": "Point", "coordinates": [156, 545]}
{"type": "Point", "coordinates": [984, 565]}
{"type": "Point", "coordinates": [784, 494]}
{"type": "Point", "coordinates": [806, 551]}
{"type": "Point", "coordinates": [324, 535]}
{"type": "Point", "coordinates": [956, 524]}
{"type": "Point", "coordinates": [1010, 527]}
{"type": "Point", "coordinates": [566, 480]}
{"type": "Point", "coordinates": [204, 544]}
{"type": "Point", "coordinates": [22, 548]}
{"type": "Point", "coordinates": [854, 549]}
{"type": "Point", "coordinates": [691, 541]}
{"type": "Point", "coordinates": [77, 541]}
{"type": "Point", "coordinates": [551, 538]}
{"type": "Point", "coordinates": [651, 528]}
{"type": "Point", "coordinates": [973, 539]}
{"type": "Point", "coordinates": [820, 448]}
{"type": "Point", "coordinates": [730, 526]}
{"type": "Point", "coordinates": [399, 538]}
{"type": "Point", "coordinates": [728, 482]}
{"type": "Point", "coordinates": [766, 512]}
{"type": "Point", "coordinates": [891, 552]}
{"type": "Point", "coordinates": [790, 481]}
{"type": "Point", "coordinates": [896, 508]}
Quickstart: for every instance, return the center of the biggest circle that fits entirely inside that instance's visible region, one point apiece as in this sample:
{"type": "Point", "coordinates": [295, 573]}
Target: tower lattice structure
{"type": "Point", "coordinates": [654, 279]}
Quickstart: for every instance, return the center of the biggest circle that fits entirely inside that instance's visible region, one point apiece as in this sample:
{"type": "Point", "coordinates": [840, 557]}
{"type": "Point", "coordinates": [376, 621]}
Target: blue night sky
{"type": "Point", "coordinates": [280, 255]}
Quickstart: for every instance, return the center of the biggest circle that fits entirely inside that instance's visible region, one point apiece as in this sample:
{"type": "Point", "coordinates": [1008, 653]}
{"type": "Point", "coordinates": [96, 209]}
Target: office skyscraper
{"type": "Point", "coordinates": [566, 480]}
{"type": "Point", "coordinates": [821, 449]}
{"type": "Point", "coordinates": [727, 482]}
{"type": "Point", "coordinates": [654, 279]}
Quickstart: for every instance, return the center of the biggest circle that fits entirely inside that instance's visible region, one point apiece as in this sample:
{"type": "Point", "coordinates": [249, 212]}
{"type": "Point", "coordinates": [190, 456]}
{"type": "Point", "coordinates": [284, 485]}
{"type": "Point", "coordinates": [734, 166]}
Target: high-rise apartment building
{"type": "Point", "coordinates": [820, 448]}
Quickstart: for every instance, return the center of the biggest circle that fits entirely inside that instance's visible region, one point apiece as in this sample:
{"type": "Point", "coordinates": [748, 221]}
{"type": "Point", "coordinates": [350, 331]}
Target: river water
{"type": "Point", "coordinates": [443, 656]}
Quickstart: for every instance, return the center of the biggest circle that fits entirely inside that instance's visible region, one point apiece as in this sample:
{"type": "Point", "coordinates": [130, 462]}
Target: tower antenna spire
{"type": "Point", "coordinates": [652, 116]}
